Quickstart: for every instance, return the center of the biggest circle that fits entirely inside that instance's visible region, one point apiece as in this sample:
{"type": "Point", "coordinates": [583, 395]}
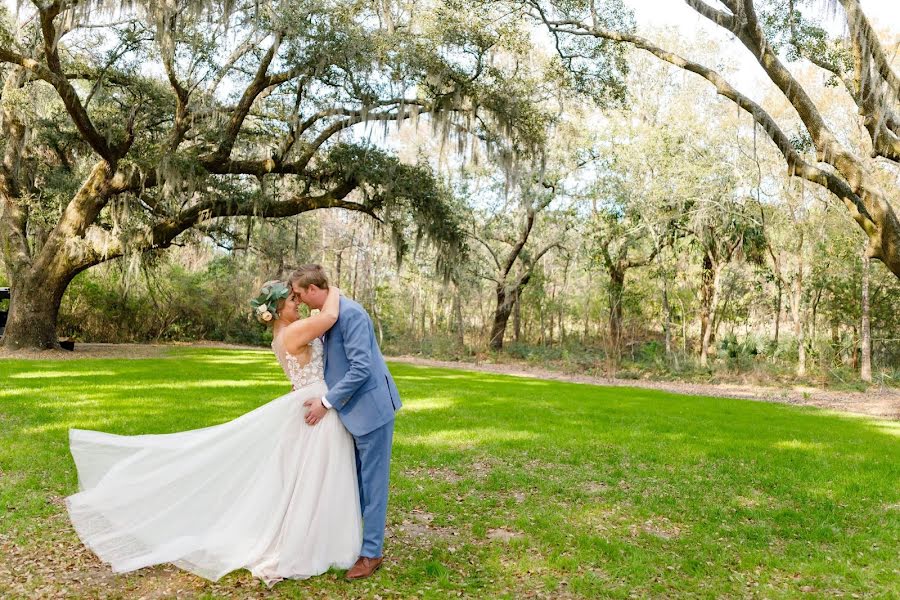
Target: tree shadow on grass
{"type": "Point", "coordinates": [692, 458]}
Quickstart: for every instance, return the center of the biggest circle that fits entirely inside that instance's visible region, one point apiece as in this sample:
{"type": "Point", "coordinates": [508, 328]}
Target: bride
{"type": "Point", "coordinates": [265, 492]}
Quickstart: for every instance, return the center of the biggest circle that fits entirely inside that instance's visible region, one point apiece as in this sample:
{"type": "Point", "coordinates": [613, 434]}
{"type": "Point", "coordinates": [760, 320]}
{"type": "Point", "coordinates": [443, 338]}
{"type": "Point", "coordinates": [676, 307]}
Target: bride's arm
{"type": "Point", "coordinates": [304, 331]}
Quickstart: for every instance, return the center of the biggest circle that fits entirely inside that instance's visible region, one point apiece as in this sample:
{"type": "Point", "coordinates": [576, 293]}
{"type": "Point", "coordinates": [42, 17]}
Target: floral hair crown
{"type": "Point", "coordinates": [265, 305]}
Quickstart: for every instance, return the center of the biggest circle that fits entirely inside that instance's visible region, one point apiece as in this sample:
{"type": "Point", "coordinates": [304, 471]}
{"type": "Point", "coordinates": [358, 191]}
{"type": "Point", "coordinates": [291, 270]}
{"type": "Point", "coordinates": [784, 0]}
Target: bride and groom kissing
{"type": "Point", "coordinates": [288, 490]}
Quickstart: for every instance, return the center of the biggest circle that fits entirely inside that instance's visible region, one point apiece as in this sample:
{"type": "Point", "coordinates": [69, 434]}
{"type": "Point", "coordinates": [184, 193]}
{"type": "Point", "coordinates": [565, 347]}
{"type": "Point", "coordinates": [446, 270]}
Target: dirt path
{"type": "Point", "coordinates": [874, 403]}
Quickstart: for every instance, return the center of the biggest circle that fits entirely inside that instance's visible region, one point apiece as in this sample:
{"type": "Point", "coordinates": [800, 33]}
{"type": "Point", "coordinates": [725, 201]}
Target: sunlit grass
{"type": "Point", "coordinates": [506, 487]}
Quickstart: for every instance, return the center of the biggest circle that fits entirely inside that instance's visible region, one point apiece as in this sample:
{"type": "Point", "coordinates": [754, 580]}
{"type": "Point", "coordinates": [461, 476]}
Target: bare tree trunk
{"type": "Point", "coordinates": [34, 309]}
{"type": "Point", "coordinates": [865, 371]}
{"type": "Point", "coordinates": [814, 308]}
{"type": "Point", "coordinates": [412, 315]}
{"type": "Point", "coordinates": [432, 316]}
{"type": "Point", "coordinates": [706, 294]}
{"type": "Point", "coordinates": [337, 267]}
{"type": "Point", "coordinates": [517, 318]}
{"type": "Point", "coordinates": [616, 289]}
{"type": "Point", "coordinates": [541, 317]}
{"type": "Point", "coordinates": [667, 316]}
{"type": "Point", "coordinates": [797, 316]}
{"type": "Point", "coordinates": [778, 309]}
{"type": "Point", "coordinates": [376, 316]}
{"type": "Point", "coordinates": [561, 325]}
{"type": "Point", "coordinates": [501, 316]}
{"type": "Point", "coordinates": [565, 286]}
{"type": "Point", "coordinates": [422, 316]}
{"type": "Point", "coordinates": [587, 307]}
{"type": "Point", "coordinates": [38, 288]}
{"type": "Point", "coordinates": [797, 307]}
{"type": "Point", "coordinates": [719, 314]}
{"type": "Point", "coordinates": [458, 317]}
{"type": "Point", "coordinates": [708, 315]}
{"type": "Point", "coordinates": [551, 314]}
{"type": "Point", "coordinates": [355, 280]}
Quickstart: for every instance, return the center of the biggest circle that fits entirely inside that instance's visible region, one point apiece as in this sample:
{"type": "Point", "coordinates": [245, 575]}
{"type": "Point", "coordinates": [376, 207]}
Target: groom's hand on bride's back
{"type": "Point", "coordinates": [315, 410]}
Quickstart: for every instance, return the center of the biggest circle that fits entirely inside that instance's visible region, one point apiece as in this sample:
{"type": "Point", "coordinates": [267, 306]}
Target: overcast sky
{"type": "Point", "coordinates": [884, 13]}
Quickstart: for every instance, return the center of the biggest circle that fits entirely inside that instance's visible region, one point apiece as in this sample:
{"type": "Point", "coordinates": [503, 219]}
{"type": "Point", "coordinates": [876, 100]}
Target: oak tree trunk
{"type": "Point", "coordinates": [501, 316]}
{"type": "Point", "coordinates": [39, 282]}
{"type": "Point", "coordinates": [34, 309]}
{"type": "Point", "coordinates": [667, 316]}
{"type": "Point", "coordinates": [517, 319]}
{"type": "Point", "coordinates": [778, 310]}
{"type": "Point", "coordinates": [458, 317]}
{"type": "Point", "coordinates": [707, 313]}
{"type": "Point", "coordinates": [797, 316]}
{"type": "Point", "coordinates": [865, 371]}
{"type": "Point", "coordinates": [616, 290]}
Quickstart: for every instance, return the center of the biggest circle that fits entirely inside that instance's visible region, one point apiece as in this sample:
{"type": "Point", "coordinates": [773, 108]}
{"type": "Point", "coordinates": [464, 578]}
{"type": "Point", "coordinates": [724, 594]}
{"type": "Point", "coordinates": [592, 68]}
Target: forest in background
{"type": "Point", "coordinates": [619, 271]}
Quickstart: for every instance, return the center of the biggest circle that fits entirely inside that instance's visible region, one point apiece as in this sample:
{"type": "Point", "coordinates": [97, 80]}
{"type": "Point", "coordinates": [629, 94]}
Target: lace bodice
{"type": "Point", "coordinates": [305, 374]}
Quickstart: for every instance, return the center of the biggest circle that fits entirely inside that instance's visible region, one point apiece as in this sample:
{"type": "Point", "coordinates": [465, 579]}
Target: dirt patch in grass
{"type": "Point", "coordinates": [481, 468]}
{"type": "Point", "coordinates": [659, 527]}
{"type": "Point", "coordinates": [503, 534]}
{"type": "Point", "coordinates": [433, 474]}
{"type": "Point", "coordinates": [417, 527]}
{"type": "Point", "coordinates": [596, 487]}
{"type": "Point", "coordinates": [884, 403]}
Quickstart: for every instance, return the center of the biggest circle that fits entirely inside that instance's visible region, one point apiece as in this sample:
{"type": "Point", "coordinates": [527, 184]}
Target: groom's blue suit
{"type": "Point", "coordinates": [361, 389]}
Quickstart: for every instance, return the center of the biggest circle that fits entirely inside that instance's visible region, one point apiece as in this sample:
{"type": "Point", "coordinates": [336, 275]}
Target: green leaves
{"type": "Point", "coordinates": [6, 36]}
{"type": "Point", "coordinates": [592, 66]}
{"type": "Point", "coordinates": [409, 199]}
{"type": "Point", "coordinates": [790, 29]}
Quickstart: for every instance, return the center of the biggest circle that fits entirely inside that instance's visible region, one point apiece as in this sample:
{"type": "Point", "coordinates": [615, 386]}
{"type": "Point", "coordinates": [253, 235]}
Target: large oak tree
{"type": "Point", "coordinates": [775, 33]}
{"type": "Point", "coordinates": [124, 129]}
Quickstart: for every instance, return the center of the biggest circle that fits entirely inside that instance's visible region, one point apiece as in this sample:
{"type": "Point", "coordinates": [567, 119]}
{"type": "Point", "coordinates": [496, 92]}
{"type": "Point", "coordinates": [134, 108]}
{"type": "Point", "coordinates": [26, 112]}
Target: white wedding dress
{"type": "Point", "coordinates": [265, 492]}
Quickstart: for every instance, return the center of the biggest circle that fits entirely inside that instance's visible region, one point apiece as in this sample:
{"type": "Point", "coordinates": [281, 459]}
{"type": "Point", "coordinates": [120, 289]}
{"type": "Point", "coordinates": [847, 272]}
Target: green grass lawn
{"type": "Point", "coordinates": [501, 486]}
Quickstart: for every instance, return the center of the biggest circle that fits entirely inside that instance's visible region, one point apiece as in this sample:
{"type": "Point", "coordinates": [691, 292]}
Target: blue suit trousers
{"type": "Point", "coordinates": [373, 468]}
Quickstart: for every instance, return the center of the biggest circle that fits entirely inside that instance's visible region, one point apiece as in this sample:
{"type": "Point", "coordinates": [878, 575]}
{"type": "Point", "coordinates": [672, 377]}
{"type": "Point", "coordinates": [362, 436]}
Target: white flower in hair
{"type": "Point", "coordinates": [266, 316]}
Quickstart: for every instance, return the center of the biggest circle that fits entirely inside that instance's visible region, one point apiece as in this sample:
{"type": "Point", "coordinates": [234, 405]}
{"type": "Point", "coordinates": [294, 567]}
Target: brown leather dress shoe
{"type": "Point", "coordinates": [364, 567]}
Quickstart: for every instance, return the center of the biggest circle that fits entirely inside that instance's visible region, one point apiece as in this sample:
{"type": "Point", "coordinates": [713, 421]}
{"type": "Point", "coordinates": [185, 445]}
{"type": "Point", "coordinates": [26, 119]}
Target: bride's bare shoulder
{"type": "Point", "coordinates": [294, 336]}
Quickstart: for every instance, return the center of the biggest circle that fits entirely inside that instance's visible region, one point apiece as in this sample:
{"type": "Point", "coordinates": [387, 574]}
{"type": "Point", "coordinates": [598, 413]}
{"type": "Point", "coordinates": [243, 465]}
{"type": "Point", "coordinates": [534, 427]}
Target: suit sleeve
{"type": "Point", "coordinates": [358, 348]}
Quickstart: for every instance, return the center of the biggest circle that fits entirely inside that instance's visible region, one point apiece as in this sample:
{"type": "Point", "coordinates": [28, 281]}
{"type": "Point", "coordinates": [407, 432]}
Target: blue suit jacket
{"type": "Point", "coordinates": [360, 387]}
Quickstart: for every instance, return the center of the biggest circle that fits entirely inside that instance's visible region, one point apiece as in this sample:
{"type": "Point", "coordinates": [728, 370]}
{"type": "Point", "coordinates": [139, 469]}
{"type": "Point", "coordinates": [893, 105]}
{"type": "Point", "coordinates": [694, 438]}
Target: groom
{"type": "Point", "coordinates": [363, 393]}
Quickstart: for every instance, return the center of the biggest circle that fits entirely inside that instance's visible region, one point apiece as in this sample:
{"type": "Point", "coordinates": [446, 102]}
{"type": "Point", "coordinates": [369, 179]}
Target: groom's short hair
{"type": "Point", "coordinates": [307, 275]}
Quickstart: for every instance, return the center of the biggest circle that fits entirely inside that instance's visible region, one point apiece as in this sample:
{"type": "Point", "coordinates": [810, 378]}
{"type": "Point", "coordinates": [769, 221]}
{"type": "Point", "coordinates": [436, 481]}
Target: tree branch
{"type": "Point", "coordinates": [260, 82]}
{"type": "Point", "coordinates": [520, 243]}
{"type": "Point", "coordinates": [489, 249]}
{"type": "Point", "coordinates": [859, 23]}
{"type": "Point", "coordinates": [871, 213]}
{"type": "Point", "coordinates": [720, 18]}
{"type": "Point", "coordinates": [53, 74]}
